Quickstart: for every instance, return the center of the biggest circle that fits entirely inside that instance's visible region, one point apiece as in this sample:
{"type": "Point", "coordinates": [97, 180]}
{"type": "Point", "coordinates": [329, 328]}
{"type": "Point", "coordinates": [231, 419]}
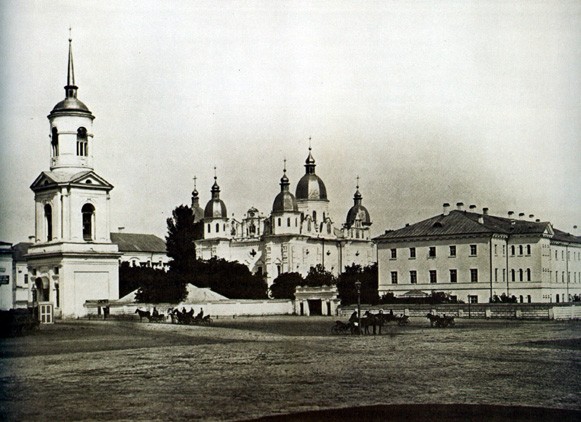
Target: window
{"type": "Point", "coordinates": [472, 299]}
{"type": "Point", "coordinates": [452, 250]}
{"type": "Point", "coordinates": [48, 222]}
{"type": "Point", "coordinates": [495, 249]}
{"type": "Point", "coordinates": [528, 249]}
{"type": "Point", "coordinates": [412, 253]}
{"type": "Point", "coordinates": [473, 250]}
{"type": "Point", "coordinates": [82, 145]}
{"type": "Point", "coordinates": [556, 256]}
{"type": "Point", "coordinates": [394, 277]}
{"type": "Point", "coordinates": [432, 252]}
{"type": "Point", "coordinates": [520, 275]}
{"type": "Point", "coordinates": [314, 215]}
{"type": "Point", "coordinates": [209, 228]}
{"type": "Point", "coordinates": [25, 278]}
{"type": "Point", "coordinates": [496, 275]}
{"type": "Point", "coordinates": [217, 227]}
{"type": "Point", "coordinates": [279, 221]}
{"type": "Point", "coordinates": [413, 277]}
{"type": "Point", "coordinates": [520, 249]}
{"type": "Point", "coordinates": [512, 275]}
{"type": "Point", "coordinates": [473, 275]}
{"type": "Point", "coordinates": [503, 250]}
{"type": "Point", "coordinates": [393, 253]}
{"type": "Point", "coordinates": [453, 276]}
{"type": "Point", "coordinates": [433, 276]}
{"type": "Point", "coordinates": [503, 275]}
{"type": "Point", "coordinates": [55, 142]}
{"type": "Point", "coordinates": [88, 212]}
{"type": "Point", "coordinates": [512, 250]}
{"type": "Point", "coordinates": [562, 255]}
{"type": "Point", "coordinates": [528, 274]}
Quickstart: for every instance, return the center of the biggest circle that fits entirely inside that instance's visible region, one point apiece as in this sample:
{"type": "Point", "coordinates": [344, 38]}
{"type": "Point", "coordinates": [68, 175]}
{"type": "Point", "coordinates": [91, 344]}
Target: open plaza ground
{"type": "Point", "coordinates": [248, 368]}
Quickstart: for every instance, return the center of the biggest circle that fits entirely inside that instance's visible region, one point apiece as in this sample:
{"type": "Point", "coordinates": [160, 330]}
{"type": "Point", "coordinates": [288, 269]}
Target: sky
{"type": "Point", "coordinates": [427, 102]}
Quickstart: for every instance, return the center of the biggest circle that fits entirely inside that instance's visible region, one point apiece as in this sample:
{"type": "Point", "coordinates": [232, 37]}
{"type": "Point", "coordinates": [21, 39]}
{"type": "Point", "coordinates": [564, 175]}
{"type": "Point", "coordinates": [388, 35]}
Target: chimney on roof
{"type": "Point", "coordinates": [484, 211]}
{"type": "Point", "coordinates": [531, 216]}
{"type": "Point", "coordinates": [521, 216]}
{"type": "Point", "coordinates": [460, 206]}
{"type": "Point", "coordinates": [472, 208]}
{"type": "Point", "coordinates": [446, 208]}
{"type": "Point", "coordinates": [510, 214]}
{"type": "Point", "coordinates": [538, 220]}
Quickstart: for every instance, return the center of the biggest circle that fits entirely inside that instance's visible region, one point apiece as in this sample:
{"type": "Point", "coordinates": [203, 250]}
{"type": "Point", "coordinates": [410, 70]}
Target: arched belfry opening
{"type": "Point", "coordinates": [88, 212]}
{"type": "Point", "coordinates": [48, 222]}
{"type": "Point", "coordinates": [82, 144]}
{"type": "Point", "coordinates": [54, 141]}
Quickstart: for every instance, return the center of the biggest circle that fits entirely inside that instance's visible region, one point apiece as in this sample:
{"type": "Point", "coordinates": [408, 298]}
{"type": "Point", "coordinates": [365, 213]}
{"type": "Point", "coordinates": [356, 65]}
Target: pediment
{"type": "Point", "coordinates": [85, 179]}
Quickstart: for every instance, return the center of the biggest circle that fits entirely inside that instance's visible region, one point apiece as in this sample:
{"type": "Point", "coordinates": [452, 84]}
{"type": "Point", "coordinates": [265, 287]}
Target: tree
{"type": "Point", "coordinates": [230, 279]}
{"type": "Point", "coordinates": [369, 284]}
{"type": "Point", "coordinates": [180, 241]}
{"type": "Point", "coordinates": [318, 276]}
{"type": "Point", "coordinates": [283, 287]}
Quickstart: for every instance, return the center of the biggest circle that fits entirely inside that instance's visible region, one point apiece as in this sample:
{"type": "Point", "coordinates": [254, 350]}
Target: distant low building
{"type": "Point", "coordinates": [474, 256]}
{"type": "Point", "coordinates": [138, 249]}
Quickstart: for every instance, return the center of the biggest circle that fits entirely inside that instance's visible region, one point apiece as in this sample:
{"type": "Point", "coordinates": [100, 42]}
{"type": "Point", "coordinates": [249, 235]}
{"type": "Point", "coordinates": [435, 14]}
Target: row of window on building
{"type": "Point", "coordinates": [432, 251]}
{"type": "Point", "coordinates": [520, 275]}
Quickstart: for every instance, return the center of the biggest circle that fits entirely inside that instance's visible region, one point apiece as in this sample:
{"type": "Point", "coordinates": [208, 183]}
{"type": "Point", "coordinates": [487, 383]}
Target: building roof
{"type": "Point", "coordinates": [458, 223]}
{"type": "Point", "coordinates": [19, 250]}
{"type": "Point", "coordinates": [138, 242]}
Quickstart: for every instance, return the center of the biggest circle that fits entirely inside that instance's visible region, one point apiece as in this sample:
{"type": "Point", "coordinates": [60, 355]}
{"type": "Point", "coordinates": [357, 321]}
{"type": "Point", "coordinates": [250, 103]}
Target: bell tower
{"type": "Point", "coordinates": [73, 258]}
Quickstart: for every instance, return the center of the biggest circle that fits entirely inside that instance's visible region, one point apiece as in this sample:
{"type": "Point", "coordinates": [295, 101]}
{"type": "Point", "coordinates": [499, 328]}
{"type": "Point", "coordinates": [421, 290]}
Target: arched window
{"type": "Point", "coordinates": [520, 273]}
{"type": "Point", "coordinates": [209, 228]}
{"type": "Point", "coordinates": [88, 212]}
{"type": "Point", "coordinates": [54, 142]}
{"type": "Point", "coordinates": [314, 215]}
{"type": "Point", "coordinates": [528, 249]}
{"type": "Point", "coordinates": [82, 145]}
{"type": "Point", "coordinates": [512, 250]}
{"type": "Point", "coordinates": [520, 250]}
{"type": "Point", "coordinates": [288, 222]}
{"type": "Point", "coordinates": [217, 227]}
{"type": "Point", "coordinates": [48, 222]}
{"type": "Point", "coordinates": [279, 221]}
{"type": "Point", "coordinates": [528, 274]}
{"type": "Point", "coordinates": [513, 274]}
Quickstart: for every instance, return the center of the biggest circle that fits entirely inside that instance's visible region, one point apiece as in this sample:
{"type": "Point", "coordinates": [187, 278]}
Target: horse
{"type": "Point", "coordinates": [341, 327]}
{"type": "Point", "coordinates": [143, 314]}
{"type": "Point", "coordinates": [402, 320]}
{"type": "Point", "coordinates": [368, 320]}
{"type": "Point", "coordinates": [433, 318]}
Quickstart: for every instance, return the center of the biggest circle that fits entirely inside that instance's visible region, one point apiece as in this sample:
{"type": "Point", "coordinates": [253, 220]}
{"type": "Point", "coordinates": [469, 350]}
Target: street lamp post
{"type": "Point", "coordinates": [358, 287]}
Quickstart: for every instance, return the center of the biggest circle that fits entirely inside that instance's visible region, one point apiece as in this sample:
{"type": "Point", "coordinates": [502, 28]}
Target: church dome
{"type": "Point", "coordinates": [311, 187]}
{"type": "Point", "coordinates": [358, 212]}
{"type": "Point", "coordinates": [215, 208]}
{"type": "Point", "coordinates": [285, 201]}
{"type": "Point", "coordinates": [70, 104]}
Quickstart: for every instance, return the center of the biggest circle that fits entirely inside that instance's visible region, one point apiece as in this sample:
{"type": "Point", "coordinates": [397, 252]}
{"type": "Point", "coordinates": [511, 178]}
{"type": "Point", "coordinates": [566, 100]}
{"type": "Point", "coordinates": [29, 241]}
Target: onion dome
{"type": "Point", "coordinates": [311, 187]}
{"type": "Point", "coordinates": [215, 208]}
{"type": "Point", "coordinates": [196, 209]}
{"type": "Point", "coordinates": [71, 103]}
{"type": "Point", "coordinates": [357, 212]}
{"type": "Point", "coordinates": [285, 200]}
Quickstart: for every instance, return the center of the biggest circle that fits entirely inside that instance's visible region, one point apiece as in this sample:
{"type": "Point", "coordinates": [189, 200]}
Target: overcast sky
{"type": "Point", "coordinates": [428, 102]}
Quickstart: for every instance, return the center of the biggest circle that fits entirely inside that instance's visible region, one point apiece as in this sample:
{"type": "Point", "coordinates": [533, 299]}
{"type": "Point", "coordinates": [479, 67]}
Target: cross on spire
{"type": "Point", "coordinates": [195, 178]}
{"type": "Point", "coordinates": [357, 181]}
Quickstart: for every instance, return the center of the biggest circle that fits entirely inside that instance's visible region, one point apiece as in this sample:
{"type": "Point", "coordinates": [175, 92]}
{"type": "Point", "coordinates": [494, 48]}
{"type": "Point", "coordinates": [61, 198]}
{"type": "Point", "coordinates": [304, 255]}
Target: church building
{"type": "Point", "coordinates": [72, 258]}
{"type": "Point", "coordinates": [297, 234]}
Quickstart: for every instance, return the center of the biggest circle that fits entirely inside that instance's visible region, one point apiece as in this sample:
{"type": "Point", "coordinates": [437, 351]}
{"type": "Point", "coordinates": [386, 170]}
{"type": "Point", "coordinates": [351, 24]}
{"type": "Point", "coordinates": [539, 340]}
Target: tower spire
{"type": "Point", "coordinates": [71, 88]}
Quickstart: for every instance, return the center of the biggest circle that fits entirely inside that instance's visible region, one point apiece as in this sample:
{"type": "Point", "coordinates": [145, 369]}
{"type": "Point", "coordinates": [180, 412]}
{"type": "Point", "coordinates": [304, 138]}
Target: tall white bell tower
{"type": "Point", "coordinates": [72, 259]}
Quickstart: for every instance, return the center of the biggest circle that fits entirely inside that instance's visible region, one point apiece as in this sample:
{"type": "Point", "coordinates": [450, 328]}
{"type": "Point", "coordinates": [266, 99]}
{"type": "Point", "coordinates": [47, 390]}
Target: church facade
{"type": "Point", "coordinates": [297, 234]}
{"type": "Point", "coordinates": [72, 258]}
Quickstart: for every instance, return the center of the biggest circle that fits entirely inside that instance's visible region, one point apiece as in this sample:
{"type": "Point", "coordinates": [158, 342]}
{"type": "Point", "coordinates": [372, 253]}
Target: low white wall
{"type": "Point", "coordinates": [218, 308]}
{"type": "Point", "coordinates": [568, 312]}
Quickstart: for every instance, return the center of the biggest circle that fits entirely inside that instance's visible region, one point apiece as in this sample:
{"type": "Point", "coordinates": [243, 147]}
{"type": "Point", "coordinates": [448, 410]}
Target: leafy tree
{"type": "Point", "coordinates": [283, 287]}
{"type": "Point", "coordinates": [157, 286]}
{"type": "Point", "coordinates": [230, 279]}
{"type": "Point", "coordinates": [318, 276]}
{"type": "Point", "coordinates": [180, 238]}
{"type": "Point", "coordinates": [369, 284]}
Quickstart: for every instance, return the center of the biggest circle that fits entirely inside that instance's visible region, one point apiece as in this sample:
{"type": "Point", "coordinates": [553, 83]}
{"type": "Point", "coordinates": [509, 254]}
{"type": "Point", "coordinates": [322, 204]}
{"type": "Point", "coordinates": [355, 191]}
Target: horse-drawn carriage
{"type": "Point", "coordinates": [187, 317]}
{"type": "Point", "coordinates": [370, 323]}
{"type": "Point", "coordinates": [438, 321]}
{"type": "Point", "coordinates": [151, 317]}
